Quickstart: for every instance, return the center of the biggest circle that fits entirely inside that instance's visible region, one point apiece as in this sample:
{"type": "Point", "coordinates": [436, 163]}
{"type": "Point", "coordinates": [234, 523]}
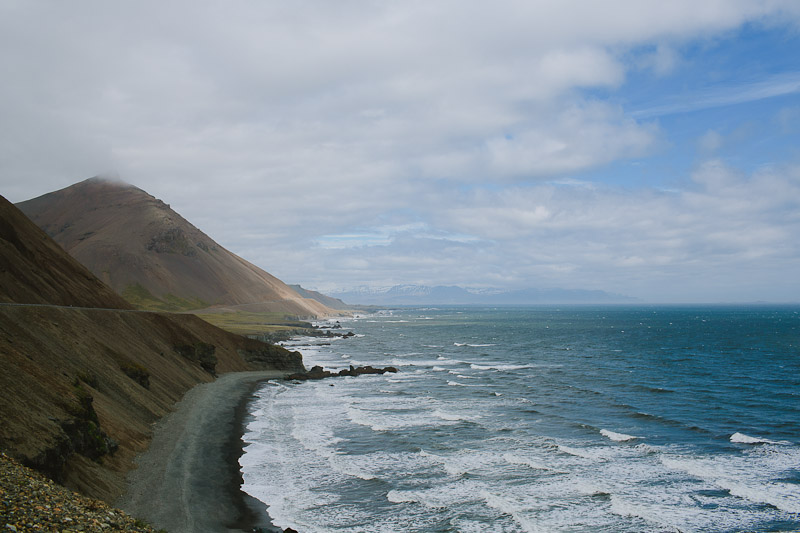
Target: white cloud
{"type": "Point", "coordinates": [277, 127]}
{"type": "Point", "coordinates": [695, 244]}
{"type": "Point", "coordinates": [710, 142]}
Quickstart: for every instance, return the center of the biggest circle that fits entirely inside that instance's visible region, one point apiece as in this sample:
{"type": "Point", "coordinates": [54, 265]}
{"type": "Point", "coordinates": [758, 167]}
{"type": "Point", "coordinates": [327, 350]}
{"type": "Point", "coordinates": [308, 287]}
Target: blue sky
{"type": "Point", "coordinates": [643, 148]}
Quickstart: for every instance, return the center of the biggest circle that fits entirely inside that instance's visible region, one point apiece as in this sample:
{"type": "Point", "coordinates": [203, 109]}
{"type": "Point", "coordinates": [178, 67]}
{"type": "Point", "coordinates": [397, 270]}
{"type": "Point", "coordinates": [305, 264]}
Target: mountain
{"type": "Point", "coordinates": [454, 295]}
{"type": "Point", "coordinates": [84, 376]}
{"type": "Point", "coordinates": [24, 249]}
{"type": "Point", "coordinates": [333, 303]}
{"type": "Point", "coordinates": [152, 256]}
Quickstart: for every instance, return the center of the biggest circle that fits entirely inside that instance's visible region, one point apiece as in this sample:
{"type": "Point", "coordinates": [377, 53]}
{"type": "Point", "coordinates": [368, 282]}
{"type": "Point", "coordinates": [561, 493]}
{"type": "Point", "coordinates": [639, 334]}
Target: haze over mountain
{"type": "Point", "coordinates": [154, 257]}
{"type": "Point", "coordinates": [452, 295]}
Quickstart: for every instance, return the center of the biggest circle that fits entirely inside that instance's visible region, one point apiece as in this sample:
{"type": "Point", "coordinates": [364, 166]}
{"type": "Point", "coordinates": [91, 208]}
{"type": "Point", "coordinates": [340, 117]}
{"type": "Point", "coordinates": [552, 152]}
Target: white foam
{"type": "Point", "coordinates": [511, 509]}
{"type": "Point", "coordinates": [746, 477]}
{"type": "Point", "coordinates": [498, 366]}
{"type": "Point", "coordinates": [741, 438]}
{"type": "Point", "coordinates": [584, 453]}
{"type": "Point", "coordinates": [405, 496]}
{"type": "Point", "coordinates": [450, 416]}
{"type": "Point", "coordinates": [455, 384]}
{"type": "Point", "coordinates": [657, 515]}
{"type": "Point", "coordinates": [617, 437]}
{"type": "Point", "coordinates": [516, 460]}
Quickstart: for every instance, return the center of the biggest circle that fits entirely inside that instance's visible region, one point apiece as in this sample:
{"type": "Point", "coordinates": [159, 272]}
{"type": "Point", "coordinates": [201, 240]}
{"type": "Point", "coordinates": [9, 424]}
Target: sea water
{"type": "Point", "coordinates": [539, 419]}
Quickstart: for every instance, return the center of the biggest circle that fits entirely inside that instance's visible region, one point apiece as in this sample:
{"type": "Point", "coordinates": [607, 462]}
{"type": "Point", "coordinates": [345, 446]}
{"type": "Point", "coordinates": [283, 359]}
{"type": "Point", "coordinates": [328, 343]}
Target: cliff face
{"type": "Point", "coordinates": [83, 375]}
{"type": "Point", "coordinates": [151, 255]}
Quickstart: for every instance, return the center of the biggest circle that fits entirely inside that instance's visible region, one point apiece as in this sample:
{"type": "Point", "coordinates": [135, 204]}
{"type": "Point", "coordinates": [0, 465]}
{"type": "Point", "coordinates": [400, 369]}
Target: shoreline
{"type": "Point", "coordinates": [253, 514]}
{"type": "Point", "coordinates": [189, 478]}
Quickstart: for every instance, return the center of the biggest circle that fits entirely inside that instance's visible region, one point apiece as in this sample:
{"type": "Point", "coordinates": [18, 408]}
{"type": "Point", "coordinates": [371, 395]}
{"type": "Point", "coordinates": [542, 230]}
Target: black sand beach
{"type": "Point", "coordinates": [188, 480]}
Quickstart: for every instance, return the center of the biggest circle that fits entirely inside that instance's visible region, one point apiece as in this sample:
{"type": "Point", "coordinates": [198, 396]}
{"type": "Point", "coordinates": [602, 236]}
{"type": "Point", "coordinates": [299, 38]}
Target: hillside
{"type": "Point", "coordinates": [333, 303]}
{"type": "Point", "coordinates": [84, 379]}
{"type": "Point", "coordinates": [152, 256]}
{"type": "Point", "coordinates": [24, 249]}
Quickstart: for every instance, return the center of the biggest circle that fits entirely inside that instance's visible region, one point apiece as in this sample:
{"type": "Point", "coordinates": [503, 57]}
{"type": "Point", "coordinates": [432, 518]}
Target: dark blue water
{"type": "Point", "coordinates": [540, 419]}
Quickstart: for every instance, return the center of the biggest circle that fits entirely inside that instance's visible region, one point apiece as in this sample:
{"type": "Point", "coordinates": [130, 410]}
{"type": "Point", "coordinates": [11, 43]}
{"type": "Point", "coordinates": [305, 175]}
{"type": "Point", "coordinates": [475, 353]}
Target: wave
{"type": "Point", "coordinates": [741, 438]}
{"type": "Point", "coordinates": [498, 366]}
{"type": "Point", "coordinates": [428, 498]}
{"type": "Point", "coordinates": [509, 508]}
{"type": "Point", "coordinates": [617, 437]}
{"type": "Point", "coordinates": [451, 417]}
{"type": "Point", "coordinates": [735, 479]}
{"type": "Point", "coordinates": [405, 496]}
{"type": "Point", "coordinates": [459, 384]}
{"type": "Point", "coordinates": [473, 345]}
{"type": "Point", "coordinates": [584, 453]}
{"type": "Point", "coordinates": [517, 460]}
{"type": "Point", "coordinates": [659, 516]}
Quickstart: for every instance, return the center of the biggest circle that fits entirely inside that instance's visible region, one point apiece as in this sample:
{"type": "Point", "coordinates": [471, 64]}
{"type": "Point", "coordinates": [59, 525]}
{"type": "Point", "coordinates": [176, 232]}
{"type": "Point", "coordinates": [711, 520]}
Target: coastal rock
{"type": "Point", "coordinates": [317, 372]}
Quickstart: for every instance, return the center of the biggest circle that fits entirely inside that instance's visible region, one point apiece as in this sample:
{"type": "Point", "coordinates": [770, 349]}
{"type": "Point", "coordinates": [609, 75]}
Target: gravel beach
{"type": "Point", "coordinates": [188, 480]}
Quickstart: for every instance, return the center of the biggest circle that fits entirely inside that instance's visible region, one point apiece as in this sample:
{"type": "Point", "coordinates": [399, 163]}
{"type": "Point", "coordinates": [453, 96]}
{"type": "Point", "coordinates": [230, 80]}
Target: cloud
{"type": "Point", "coordinates": [672, 246]}
{"type": "Point", "coordinates": [777, 85]}
{"type": "Point", "coordinates": [710, 142]}
{"type": "Point", "coordinates": [367, 141]}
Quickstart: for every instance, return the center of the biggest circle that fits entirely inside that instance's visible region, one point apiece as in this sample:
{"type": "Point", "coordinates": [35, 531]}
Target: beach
{"type": "Point", "coordinates": [188, 479]}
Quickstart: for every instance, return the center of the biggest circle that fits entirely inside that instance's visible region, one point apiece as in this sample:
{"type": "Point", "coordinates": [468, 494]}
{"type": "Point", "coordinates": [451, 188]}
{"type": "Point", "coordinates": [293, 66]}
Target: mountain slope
{"type": "Point", "coordinates": [333, 303]}
{"type": "Point", "coordinates": [83, 375]}
{"type": "Point", "coordinates": [152, 256]}
{"type": "Point", "coordinates": [24, 248]}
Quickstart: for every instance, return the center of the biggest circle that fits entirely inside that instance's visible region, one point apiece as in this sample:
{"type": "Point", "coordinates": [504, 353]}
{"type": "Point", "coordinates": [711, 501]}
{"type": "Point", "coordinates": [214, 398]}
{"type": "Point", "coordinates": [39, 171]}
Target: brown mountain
{"type": "Point", "coordinates": [333, 303]}
{"type": "Point", "coordinates": [152, 256]}
{"type": "Point", "coordinates": [25, 249]}
{"type": "Point", "coordinates": [83, 375]}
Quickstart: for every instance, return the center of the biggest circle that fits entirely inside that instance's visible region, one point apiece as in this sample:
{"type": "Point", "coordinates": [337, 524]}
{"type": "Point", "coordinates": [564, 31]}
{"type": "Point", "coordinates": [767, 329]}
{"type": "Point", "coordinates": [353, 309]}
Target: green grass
{"type": "Point", "coordinates": [244, 323]}
{"type": "Point", "coordinates": [143, 299]}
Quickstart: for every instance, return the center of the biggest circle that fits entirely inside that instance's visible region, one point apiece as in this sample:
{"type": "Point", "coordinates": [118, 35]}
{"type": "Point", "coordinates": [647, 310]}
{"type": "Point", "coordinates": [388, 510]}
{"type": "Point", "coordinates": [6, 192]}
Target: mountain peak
{"type": "Point", "coordinates": [151, 255]}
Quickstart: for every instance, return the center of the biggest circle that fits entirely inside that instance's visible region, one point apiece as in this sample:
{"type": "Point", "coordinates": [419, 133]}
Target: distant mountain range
{"type": "Point", "coordinates": [454, 295]}
{"type": "Point", "coordinates": [154, 257]}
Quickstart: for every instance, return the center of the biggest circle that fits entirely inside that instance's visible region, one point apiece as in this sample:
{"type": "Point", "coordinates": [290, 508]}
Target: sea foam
{"type": "Point", "coordinates": [617, 437]}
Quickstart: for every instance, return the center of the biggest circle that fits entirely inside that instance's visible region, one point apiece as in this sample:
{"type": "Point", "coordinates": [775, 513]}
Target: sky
{"type": "Point", "coordinates": [644, 148]}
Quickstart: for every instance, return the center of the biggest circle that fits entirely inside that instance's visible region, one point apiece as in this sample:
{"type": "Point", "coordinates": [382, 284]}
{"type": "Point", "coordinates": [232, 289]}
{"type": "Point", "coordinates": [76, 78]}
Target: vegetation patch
{"type": "Point", "coordinates": [256, 324]}
{"type": "Point", "coordinates": [80, 433]}
{"type": "Point", "coordinates": [89, 378]}
{"type": "Point", "coordinates": [137, 373]}
{"type": "Point", "coordinates": [141, 298]}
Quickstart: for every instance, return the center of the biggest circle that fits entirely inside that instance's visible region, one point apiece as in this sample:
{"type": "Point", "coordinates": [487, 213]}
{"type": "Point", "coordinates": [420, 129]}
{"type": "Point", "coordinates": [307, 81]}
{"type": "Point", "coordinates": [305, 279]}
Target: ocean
{"type": "Point", "coordinates": [527, 419]}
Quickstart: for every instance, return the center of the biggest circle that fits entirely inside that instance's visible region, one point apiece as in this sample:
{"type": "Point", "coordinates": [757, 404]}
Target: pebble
{"type": "Point", "coordinates": [31, 502]}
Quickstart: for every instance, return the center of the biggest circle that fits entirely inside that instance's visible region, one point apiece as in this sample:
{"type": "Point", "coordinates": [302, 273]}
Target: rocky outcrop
{"type": "Point", "coordinates": [267, 356]}
{"type": "Point", "coordinates": [317, 372]}
{"type": "Point", "coordinates": [200, 352]}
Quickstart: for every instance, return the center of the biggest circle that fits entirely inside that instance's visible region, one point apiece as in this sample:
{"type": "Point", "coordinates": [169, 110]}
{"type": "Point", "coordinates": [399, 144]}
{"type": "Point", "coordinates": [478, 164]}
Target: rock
{"type": "Point", "coordinates": [317, 372]}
